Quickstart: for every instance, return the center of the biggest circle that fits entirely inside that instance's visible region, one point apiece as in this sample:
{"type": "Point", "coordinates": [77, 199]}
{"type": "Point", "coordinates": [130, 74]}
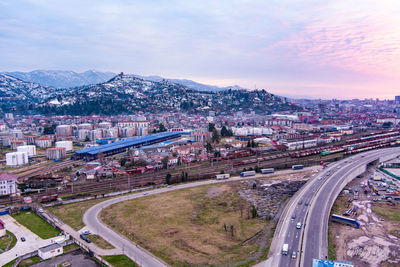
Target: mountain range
{"type": "Point", "coordinates": [62, 78]}
{"type": "Point", "coordinates": [67, 79]}
{"type": "Point", "coordinates": [127, 94]}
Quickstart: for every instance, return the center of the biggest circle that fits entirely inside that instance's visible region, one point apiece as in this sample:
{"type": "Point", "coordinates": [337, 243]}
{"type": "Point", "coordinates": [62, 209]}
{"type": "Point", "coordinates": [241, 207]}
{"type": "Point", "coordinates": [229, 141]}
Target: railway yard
{"type": "Point", "coordinates": [48, 178]}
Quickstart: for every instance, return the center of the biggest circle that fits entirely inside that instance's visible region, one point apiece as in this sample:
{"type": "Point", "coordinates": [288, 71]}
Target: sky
{"type": "Point", "coordinates": [313, 49]}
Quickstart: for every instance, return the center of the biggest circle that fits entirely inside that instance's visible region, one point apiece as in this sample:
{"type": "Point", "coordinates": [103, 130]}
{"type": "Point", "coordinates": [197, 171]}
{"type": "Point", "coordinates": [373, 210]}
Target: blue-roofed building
{"type": "Point", "coordinates": [327, 263]}
{"type": "Point", "coordinates": [91, 153]}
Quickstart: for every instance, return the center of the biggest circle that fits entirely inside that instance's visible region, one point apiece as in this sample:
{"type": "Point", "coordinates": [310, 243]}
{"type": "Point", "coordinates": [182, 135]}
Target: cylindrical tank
{"type": "Point", "coordinates": [30, 149]}
{"type": "Point", "coordinates": [65, 144]}
{"type": "Point", "coordinates": [16, 158]}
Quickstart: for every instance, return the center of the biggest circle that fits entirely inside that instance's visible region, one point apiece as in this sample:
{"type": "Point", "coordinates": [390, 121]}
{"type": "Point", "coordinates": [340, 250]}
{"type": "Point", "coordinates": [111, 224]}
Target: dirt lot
{"type": "Point", "coordinates": [193, 226]}
{"type": "Point", "coordinates": [377, 241]}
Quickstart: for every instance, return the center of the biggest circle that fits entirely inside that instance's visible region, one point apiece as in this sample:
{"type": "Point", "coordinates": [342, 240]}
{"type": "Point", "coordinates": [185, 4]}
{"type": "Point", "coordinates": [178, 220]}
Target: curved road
{"type": "Point", "coordinates": [311, 207]}
{"type": "Point", "coordinates": [141, 256]}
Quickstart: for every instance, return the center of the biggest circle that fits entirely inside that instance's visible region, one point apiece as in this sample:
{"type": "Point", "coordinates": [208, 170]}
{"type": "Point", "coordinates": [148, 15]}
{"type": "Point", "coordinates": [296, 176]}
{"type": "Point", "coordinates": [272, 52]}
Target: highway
{"type": "Point", "coordinates": [141, 256]}
{"type": "Point", "coordinates": [311, 206]}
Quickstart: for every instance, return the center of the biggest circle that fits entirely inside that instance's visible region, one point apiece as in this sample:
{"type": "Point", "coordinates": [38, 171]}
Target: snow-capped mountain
{"type": "Point", "coordinates": [63, 78]}
{"type": "Point", "coordinates": [13, 91]}
{"type": "Point", "coordinates": [128, 94]}
{"type": "Point", "coordinates": [191, 84]}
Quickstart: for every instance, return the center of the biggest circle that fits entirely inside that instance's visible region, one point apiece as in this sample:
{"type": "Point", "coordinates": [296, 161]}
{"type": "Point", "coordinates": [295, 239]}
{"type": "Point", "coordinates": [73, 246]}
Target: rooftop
{"type": "Point", "coordinates": [50, 247]}
{"type": "Point", "coordinates": [7, 176]}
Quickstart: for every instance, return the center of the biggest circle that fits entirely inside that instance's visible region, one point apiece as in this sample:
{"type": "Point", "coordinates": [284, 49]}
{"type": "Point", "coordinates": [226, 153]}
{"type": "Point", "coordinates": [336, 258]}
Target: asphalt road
{"type": "Point", "coordinates": [139, 255]}
{"type": "Point", "coordinates": [320, 194]}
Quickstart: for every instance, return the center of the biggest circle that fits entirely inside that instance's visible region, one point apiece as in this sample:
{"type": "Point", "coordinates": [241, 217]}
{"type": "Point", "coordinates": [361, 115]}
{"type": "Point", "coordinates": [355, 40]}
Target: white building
{"type": "Point", "coordinates": [300, 143]}
{"type": "Point", "coordinates": [8, 184]}
{"type": "Point", "coordinates": [16, 158]}
{"type": "Point", "coordinates": [141, 126]}
{"type": "Point", "coordinates": [30, 149]}
{"type": "Point", "coordinates": [50, 251]}
{"type": "Point", "coordinates": [16, 133]}
{"type": "Point", "coordinates": [96, 134]}
{"type": "Point", "coordinates": [66, 144]}
{"type": "Point", "coordinates": [105, 125]}
{"type": "Point", "coordinates": [255, 131]}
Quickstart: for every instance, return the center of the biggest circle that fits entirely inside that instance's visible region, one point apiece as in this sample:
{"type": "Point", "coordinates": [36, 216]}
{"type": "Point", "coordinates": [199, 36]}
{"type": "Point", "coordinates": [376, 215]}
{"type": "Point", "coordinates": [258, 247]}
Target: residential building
{"type": "Point", "coordinates": [8, 184]}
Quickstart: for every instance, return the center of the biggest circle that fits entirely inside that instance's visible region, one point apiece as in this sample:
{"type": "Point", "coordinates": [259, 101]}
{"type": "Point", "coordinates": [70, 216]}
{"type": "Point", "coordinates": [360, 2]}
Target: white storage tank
{"type": "Point", "coordinates": [64, 130]}
{"type": "Point", "coordinates": [83, 134]}
{"type": "Point", "coordinates": [65, 144]}
{"type": "Point", "coordinates": [30, 149]}
{"type": "Point", "coordinates": [55, 153]}
{"type": "Point", "coordinates": [16, 158]}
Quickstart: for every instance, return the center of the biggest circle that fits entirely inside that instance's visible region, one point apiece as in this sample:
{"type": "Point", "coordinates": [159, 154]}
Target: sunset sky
{"type": "Point", "coordinates": [314, 49]}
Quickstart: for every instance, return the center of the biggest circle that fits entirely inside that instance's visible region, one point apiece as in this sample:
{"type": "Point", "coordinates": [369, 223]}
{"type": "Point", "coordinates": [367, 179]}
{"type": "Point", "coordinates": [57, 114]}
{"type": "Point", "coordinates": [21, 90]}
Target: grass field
{"type": "Point", "coordinates": [5, 240]}
{"type": "Point", "coordinates": [100, 242]}
{"type": "Point", "coordinates": [186, 226]}
{"type": "Point", "coordinates": [391, 213]}
{"type": "Point", "coordinates": [120, 261]}
{"type": "Point", "coordinates": [36, 224]}
{"type": "Point", "coordinates": [30, 261]}
{"type": "Point", "coordinates": [72, 214]}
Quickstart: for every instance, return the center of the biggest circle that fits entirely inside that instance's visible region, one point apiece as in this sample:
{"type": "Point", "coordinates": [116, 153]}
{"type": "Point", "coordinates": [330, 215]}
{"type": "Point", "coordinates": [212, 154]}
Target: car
{"type": "Point", "coordinates": [294, 216]}
{"type": "Point", "coordinates": [306, 203]}
{"type": "Point", "coordinates": [86, 232]}
{"type": "Point", "coordinates": [294, 255]}
{"type": "Point", "coordinates": [40, 210]}
{"type": "Point", "coordinates": [300, 202]}
{"type": "Point", "coordinates": [169, 186]}
{"type": "Point", "coordinates": [145, 193]}
{"type": "Point", "coordinates": [298, 226]}
{"type": "Point", "coordinates": [23, 239]}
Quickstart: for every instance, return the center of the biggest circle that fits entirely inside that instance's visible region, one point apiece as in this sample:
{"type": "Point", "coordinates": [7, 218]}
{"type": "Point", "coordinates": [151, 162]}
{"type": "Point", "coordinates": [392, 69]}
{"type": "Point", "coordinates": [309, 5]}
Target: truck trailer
{"type": "Point", "coordinates": [270, 170]}
{"type": "Point", "coordinates": [297, 167]}
{"type": "Point", "coordinates": [248, 173]}
{"type": "Point", "coordinates": [345, 220]}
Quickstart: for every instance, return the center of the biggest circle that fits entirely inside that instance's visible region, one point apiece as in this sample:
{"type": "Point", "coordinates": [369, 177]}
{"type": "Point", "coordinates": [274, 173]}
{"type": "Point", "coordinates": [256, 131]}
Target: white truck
{"type": "Point", "coordinates": [285, 249]}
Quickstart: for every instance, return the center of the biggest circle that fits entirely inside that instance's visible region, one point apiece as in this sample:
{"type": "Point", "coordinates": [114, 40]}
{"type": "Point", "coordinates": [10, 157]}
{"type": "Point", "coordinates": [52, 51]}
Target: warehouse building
{"type": "Point", "coordinates": [92, 153]}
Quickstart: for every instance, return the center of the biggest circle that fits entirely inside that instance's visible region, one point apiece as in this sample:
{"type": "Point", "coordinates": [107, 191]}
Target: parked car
{"type": "Point", "coordinates": [86, 232]}
{"type": "Point", "coordinates": [23, 239]}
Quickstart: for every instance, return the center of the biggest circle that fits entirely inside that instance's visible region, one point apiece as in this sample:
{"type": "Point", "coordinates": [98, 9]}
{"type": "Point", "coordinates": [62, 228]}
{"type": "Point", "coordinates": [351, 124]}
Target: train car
{"type": "Point", "coordinates": [44, 199]}
{"type": "Point", "coordinates": [247, 173]}
{"type": "Point", "coordinates": [222, 176]}
{"type": "Point", "coordinates": [297, 167]}
{"type": "Point", "coordinates": [270, 170]}
{"type": "Point", "coordinates": [50, 198]}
